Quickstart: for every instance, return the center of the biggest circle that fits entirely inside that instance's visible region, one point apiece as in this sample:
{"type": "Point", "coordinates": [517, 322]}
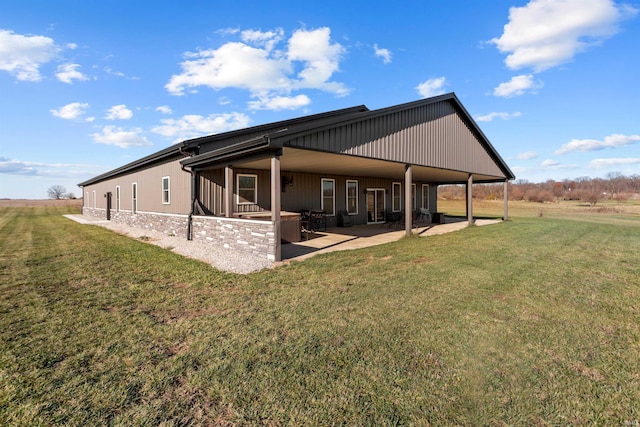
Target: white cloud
{"type": "Point", "coordinates": [497, 115]}
{"type": "Point", "coordinates": [255, 65]}
{"type": "Point", "coordinates": [431, 87]}
{"type": "Point", "coordinates": [191, 126]}
{"type": "Point", "coordinates": [611, 141]}
{"type": "Point", "coordinates": [119, 112]}
{"type": "Point", "coordinates": [321, 59]}
{"type": "Point", "coordinates": [164, 109]}
{"type": "Point", "coordinates": [385, 54]}
{"type": "Point", "coordinates": [22, 56]}
{"type": "Point", "coordinates": [112, 135]}
{"type": "Point", "coordinates": [277, 103]}
{"type": "Point", "coordinates": [68, 72]}
{"type": "Point", "coordinates": [527, 155]}
{"type": "Point", "coordinates": [234, 65]}
{"type": "Point", "coordinates": [267, 39]}
{"type": "Point", "coordinates": [518, 85]}
{"type": "Point", "coordinates": [19, 167]}
{"type": "Point", "coordinates": [555, 165]}
{"type": "Point", "coordinates": [71, 111]}
{"type": "Point", "coordinates": [606, 163]}
{"type": "Point", "coordinates": [545, 33]}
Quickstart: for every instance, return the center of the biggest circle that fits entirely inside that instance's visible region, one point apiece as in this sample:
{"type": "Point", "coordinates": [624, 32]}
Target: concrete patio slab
{"type": "Point", "coordinates": [362, 236]}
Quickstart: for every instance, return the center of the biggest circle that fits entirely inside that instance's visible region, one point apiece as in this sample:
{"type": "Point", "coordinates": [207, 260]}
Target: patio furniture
{"type": "Point", "coordinates": [414, 218]}
{"type": "Point", "coordinates": [392, 218]}
{"type": "Point", "coordinates": [438, 217]}
{"type": "Point", "coordinates": [311, 221]}
{"type": "Point", "coordinates": [424, 214]}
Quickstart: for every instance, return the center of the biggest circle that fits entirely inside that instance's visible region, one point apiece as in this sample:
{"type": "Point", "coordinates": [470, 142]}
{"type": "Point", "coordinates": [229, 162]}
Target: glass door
{"type": "Point", "coordinates": [375, 205]}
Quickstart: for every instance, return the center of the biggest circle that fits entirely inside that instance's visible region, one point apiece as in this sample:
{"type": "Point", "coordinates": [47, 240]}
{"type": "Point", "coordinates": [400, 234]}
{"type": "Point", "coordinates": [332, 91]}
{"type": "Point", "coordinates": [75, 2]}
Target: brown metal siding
{"type": "Point", "coordinates": [433, 135]}
{"type": "Point", "coordinates": [149, 189]}
{"type": "Point", "coordinates": [305, 193]}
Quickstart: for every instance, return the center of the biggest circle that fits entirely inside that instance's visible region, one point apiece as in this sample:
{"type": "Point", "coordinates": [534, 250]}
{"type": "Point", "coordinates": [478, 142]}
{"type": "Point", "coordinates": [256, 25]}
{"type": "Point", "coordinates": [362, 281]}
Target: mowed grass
{"type": "Point", "coordinates": [535, 321]}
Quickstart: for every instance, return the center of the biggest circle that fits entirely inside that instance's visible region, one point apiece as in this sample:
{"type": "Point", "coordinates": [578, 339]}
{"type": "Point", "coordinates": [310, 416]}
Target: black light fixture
{"type": "Point", "coordinates": [286, 181]}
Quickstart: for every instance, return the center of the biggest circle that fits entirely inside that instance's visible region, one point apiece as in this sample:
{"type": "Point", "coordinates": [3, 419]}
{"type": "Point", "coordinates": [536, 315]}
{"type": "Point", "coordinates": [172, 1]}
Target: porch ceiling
{"type": "Point", "coordinates": [296, 160]}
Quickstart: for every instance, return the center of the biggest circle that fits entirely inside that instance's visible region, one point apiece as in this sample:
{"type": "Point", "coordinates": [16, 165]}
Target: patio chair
{"type": "Point", "coordinates": [424, 214]}
{"type": "Point", "coordinates": [392, 218]}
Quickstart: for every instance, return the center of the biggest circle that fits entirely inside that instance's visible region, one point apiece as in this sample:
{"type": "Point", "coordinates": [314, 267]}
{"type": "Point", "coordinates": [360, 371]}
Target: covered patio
{"type": "Point", "coordinates": [360, 167]}
{"type": "Point", "coordinates": [362, 236]}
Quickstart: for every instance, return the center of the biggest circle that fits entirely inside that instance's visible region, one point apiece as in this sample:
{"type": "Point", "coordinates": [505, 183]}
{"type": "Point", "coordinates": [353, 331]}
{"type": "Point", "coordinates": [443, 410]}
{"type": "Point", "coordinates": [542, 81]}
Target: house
{"type": "Point", "coordinates": [245, 189]}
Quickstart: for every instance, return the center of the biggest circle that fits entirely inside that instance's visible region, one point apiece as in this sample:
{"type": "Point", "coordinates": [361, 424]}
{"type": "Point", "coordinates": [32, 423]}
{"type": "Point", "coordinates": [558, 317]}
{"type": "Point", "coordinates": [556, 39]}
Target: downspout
{"type": "Point", "coordinates": [193, 194]}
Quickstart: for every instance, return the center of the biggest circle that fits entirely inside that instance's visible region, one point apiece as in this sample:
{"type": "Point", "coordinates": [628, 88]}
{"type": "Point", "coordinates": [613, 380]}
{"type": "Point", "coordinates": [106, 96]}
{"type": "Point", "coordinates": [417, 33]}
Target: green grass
{"type": "Point", "coordinates": [532, 322]}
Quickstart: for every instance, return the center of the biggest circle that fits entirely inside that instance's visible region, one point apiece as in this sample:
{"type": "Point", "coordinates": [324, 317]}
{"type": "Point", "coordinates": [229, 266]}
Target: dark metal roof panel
{"type": "Point", "coordinates": [435, 132]}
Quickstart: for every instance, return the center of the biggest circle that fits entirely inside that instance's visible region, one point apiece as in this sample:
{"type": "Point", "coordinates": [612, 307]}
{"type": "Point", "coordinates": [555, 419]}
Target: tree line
{"type": "Point", "coordinates": [615, 186]}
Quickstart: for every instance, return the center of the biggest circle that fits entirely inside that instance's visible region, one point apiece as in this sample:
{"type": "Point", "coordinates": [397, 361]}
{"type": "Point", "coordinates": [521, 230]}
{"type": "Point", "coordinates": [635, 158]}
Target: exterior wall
{"type": "Point", "coordinates": [305, 193]}
{"type": "Point", "coordinates": [165, 223]}
{"type": "Point", "coordinates": [244, 236]}
{"type": "Point", "coordinates": [256, 238]}
{"type": "Point", "coordinates": [149, 183]}
{"type": "Point", "coordinates": [433, 135]}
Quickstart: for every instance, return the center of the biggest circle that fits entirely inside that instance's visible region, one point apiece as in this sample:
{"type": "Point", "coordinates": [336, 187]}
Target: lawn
{"type": "Point", "coordinates": [535, 321]}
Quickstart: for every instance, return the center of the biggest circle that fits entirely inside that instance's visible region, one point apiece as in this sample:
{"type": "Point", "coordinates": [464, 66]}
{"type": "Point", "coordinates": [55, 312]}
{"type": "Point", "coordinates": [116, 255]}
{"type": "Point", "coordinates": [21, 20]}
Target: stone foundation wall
{"type": "Point", "coordinates": [242, 235]}
{"type": "Point", "coordinates": [169, 224]}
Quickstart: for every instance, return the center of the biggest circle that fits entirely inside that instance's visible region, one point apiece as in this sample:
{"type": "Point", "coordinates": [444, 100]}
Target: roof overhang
{"type": "Point", "coordinates": [318, 162]}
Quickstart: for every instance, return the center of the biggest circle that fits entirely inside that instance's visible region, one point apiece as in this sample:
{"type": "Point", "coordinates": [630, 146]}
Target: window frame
{"type": "Point", "coordinates": [166, 191]}
{"type": "Point", "coordinates": [95, 200]}
{"type": "Point", "coordinates": [117, 198]}
{"type": "Point", "coordinates": [134, 197]}
{"type": "Point", "coordinates": [255, 188]}
{"type": "Point", "coordinates": [396, 194]}
{"type": "Point", "coordinates": [425, 200]}
{"type": "Point", "coordinates": [414, 197]}
{"type": "Point", "coordinates": [333, 196]}
{"type": "Point", "coordinates": [347, 197]}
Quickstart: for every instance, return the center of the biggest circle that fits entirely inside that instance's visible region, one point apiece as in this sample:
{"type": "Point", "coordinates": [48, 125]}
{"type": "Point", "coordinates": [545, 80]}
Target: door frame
{"type": "Point", "coordinates": [376, 192]}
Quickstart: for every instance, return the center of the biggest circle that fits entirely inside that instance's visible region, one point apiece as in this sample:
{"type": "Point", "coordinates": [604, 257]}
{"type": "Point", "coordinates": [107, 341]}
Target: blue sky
{"type": "Point", "coordinates": [86, 87]}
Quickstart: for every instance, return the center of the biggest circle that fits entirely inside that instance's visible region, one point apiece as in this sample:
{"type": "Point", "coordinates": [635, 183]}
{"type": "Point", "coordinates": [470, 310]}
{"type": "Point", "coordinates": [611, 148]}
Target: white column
{"type": "Point", "coordinates": [506, 202]}
{"type": "Point", "coordinates": [275, 205]}
{"type": "Point", "coordinates": [470, 199]}
{"type": "Point", "coordinates": [408, 179]}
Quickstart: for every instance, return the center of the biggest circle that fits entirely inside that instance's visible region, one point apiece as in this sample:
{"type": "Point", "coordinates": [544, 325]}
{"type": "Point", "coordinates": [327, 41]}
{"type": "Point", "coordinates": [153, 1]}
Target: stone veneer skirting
{"type": "Point", "coordinates": [241, 235]}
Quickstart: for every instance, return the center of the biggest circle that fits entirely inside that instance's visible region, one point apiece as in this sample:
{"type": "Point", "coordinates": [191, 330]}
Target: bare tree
{"type": "Point", "coordinates": [56, 192]}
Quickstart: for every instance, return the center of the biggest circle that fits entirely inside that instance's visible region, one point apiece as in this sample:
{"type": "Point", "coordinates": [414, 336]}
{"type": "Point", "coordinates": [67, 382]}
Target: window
{"type": "Point", "coordinates": [414, 202]}
{"type": "Point", "coordinates": [247, 189]}
{"type": "Point", "coordinates": [134, 197]}
{"type": "Point", "coordinates": [352, 197]}
{"type": "Point", "coordinates": [329, 196]}
{"type": "Point", "coordinates": [165, 191]}
{"type": "Point", "coordinates": [117, 198]}
{"type": "Point", "coordinates": [396, 190]}
{"type": "Point", "coordinates": [425, 196]}
{"type": "Point", "coordinates": [95, 200]}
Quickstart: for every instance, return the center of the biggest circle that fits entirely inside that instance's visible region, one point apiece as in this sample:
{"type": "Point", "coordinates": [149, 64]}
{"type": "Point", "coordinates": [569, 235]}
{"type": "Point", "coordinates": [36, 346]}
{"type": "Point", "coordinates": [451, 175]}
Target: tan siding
{"type": "Point", "coordinates": [149, 189]}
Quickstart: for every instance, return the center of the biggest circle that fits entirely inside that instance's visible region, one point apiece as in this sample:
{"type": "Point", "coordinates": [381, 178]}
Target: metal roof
{"type": "Point", "coordinates": [259, 140]}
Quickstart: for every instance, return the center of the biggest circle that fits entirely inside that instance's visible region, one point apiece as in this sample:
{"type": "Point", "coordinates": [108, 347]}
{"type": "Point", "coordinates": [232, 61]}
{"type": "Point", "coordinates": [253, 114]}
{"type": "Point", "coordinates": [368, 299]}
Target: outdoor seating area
{"type": "Point", "coordinates": [361, 236]}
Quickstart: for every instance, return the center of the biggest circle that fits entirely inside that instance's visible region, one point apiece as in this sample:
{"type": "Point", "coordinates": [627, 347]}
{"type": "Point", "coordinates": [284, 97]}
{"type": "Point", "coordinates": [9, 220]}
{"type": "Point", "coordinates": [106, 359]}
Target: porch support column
{"type": "Point", "coordinates": [228, 191]}
{"type": "Point", "coordinates": [470, 199]}
{"type": "Point", "coordinates": [275, 205]}
{"type": "Point", "coordinates": [408, 180]}
{"type": "Point", "coordinates": [506, 202]}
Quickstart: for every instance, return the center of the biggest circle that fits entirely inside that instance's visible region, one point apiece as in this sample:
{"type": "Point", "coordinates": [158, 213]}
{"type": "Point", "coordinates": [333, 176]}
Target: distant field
{"type": "Point", "coordinates": [39, 202]}
{"type": "Point", "coordinates": [535, 321]}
